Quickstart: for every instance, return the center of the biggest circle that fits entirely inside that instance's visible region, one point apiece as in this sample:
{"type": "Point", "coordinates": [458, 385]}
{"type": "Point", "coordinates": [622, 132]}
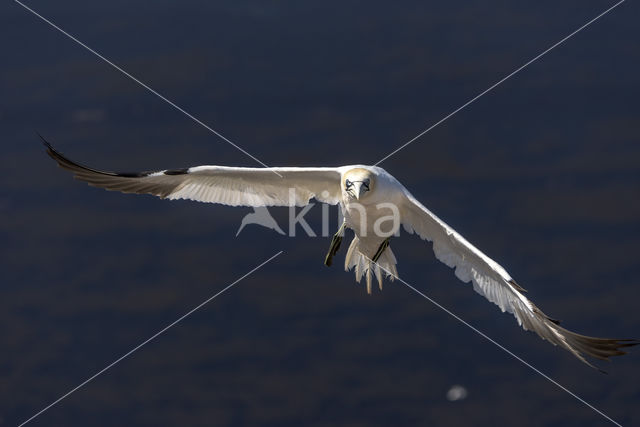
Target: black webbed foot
{"type": "Point", "coordinates": [335, 246]}
{"type": "Point", "coordinates": [384, 245]}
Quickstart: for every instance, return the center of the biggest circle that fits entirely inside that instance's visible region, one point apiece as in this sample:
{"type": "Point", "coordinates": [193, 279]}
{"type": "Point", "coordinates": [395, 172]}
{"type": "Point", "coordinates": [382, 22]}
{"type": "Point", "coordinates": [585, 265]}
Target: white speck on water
{"type": "Point", "coordinates": [456, 392]}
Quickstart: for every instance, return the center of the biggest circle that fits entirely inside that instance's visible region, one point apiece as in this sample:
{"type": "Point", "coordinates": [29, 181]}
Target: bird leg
{"type": "Point", "coordinates": [335, 244]}
{"type": "Point", "coordinates": [384, 245]}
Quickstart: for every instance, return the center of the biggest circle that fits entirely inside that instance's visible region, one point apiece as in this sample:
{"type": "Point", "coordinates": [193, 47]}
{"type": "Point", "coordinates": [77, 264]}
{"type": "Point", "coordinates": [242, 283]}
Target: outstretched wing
{"type": "Point", "coordinates": [493, 282]}
{"type": "Point", "coordinates": [218, 184]}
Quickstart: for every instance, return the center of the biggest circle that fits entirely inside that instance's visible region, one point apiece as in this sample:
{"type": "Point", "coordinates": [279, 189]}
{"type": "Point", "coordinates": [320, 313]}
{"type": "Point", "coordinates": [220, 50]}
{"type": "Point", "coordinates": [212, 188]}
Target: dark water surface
{"type": "Point", "coordinates": [543, 174]}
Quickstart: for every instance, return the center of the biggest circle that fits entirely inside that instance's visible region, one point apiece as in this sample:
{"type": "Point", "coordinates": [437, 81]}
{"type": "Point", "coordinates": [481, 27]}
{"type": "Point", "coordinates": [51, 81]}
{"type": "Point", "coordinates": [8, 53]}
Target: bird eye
{"type": "Point", "coordinates": [348, 183]}
{"type": "Point", "coordinates": [366, 184]}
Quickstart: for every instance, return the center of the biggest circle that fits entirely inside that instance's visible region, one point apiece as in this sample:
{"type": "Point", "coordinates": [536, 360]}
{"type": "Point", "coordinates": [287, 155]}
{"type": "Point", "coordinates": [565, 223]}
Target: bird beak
{"type": "Point", "coordinates": [359, 189]}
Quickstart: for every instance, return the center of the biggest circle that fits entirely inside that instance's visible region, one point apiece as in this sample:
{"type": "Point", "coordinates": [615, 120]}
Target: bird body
{"type": "Point", "coordinates": [375, 206]}
{"type": "Point", "coordinates": [372, 218]}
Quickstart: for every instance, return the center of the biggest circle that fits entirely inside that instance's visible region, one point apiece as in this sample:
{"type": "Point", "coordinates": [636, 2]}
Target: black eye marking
{"type": "Point", "coordinates": [348, 184]}
{"type": "Point", "coordinates": [366, 184]}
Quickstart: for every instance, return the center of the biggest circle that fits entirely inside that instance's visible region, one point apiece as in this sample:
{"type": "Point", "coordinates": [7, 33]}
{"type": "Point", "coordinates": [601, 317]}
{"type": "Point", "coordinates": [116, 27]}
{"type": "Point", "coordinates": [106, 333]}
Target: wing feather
{"type": "Point", "coordinates": [218, 184]}
{"type": "Point", "coordinates": [493, 282]}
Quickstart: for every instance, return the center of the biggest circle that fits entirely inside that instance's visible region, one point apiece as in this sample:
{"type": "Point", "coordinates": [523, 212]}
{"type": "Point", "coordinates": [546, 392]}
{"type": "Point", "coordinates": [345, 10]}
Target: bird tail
{"type": "Point", "coordinates": [363, 265]}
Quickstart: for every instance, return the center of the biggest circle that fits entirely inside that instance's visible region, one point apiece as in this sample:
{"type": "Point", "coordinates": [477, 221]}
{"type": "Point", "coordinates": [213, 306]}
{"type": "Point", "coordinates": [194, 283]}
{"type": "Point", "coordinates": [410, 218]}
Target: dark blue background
{"type": "Point", "coordinates": [543, 174]}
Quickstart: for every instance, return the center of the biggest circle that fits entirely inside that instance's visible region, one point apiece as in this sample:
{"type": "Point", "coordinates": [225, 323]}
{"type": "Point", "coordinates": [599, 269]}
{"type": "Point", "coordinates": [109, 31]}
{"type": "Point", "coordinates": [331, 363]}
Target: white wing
{"type": "Point", "coordinates": [493, 282]}
{"type": "Point", "coordinates": [219, 184]}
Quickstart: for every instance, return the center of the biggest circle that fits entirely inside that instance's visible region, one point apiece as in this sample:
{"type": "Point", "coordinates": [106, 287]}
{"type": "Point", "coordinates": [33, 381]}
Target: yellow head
{"type": "Point", "coordinates": [357, 182]}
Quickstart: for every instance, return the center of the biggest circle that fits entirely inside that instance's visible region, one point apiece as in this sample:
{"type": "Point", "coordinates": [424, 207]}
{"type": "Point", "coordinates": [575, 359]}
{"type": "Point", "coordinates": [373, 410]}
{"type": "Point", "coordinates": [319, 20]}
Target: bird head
{"type": "Point", "coordinates": [358, 182]}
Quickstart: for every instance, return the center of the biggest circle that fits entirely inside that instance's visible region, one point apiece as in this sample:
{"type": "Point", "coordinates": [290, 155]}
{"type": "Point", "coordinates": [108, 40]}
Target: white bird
{"type": "Point", "coordinates": [360, 191]}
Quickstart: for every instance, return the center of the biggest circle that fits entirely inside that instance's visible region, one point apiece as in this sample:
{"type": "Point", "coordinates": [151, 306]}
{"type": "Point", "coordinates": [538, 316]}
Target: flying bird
{"type": "Point", "coordinates": [374, 205]}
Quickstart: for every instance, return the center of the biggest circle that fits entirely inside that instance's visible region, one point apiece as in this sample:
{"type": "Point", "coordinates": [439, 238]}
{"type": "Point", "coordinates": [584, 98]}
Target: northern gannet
{"type": "Point", "coordinates": [374, 205]}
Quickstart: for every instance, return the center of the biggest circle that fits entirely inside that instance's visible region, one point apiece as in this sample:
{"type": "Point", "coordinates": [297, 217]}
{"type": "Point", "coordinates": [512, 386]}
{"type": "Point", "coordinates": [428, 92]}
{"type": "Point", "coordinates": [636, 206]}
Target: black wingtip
{"type": "Point", "coordinates": [69, 164]}
{"type": "Point", "coordinates": [64, 162]}
{"type": "Point", "coordinates": [55, 154]}
{"type": "Point", "coordinates": [50, 150]}
{"type": "Point", "coordinates": [629, 342]}
{"type": "Point", "coordinates": [621, 343]}
{"type": "Point", "coordinates": [44, 141]}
